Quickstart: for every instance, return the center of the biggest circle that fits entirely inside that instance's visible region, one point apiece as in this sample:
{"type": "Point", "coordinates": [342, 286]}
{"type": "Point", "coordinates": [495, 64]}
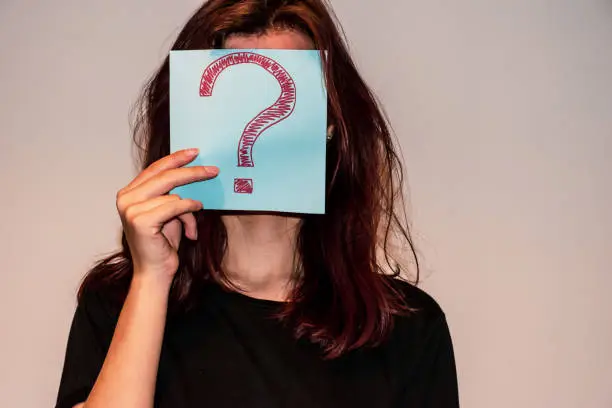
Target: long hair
{"type": "Point", "coordinates": [343, 299]}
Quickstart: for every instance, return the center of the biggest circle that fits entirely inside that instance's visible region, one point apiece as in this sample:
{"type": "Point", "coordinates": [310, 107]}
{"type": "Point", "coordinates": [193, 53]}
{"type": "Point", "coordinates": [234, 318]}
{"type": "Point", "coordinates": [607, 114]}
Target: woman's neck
{"type": "Point", "coordinates": [261, 253]}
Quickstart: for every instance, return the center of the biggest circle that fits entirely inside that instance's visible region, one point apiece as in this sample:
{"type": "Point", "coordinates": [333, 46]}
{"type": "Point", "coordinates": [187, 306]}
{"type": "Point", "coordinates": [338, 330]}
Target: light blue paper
{"type": "Point", "coordinates": [288, 158]}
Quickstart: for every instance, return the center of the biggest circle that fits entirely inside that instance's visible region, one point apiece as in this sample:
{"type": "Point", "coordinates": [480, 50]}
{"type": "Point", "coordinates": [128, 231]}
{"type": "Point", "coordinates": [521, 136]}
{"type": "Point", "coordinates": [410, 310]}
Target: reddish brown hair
{"type": "Point", "coordinates": [342, 299]}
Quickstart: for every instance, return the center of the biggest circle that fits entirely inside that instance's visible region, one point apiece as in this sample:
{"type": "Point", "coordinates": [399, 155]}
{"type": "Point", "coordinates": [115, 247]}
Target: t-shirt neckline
{"type": "Point", "coordinates": [241, 297]}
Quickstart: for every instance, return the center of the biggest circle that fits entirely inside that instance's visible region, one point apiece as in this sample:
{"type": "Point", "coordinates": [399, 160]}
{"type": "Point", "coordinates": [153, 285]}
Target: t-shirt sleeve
{"type": "Point", "coordinates": [435, 382]}
{"type": "Point", "coordinates": [90, 334]}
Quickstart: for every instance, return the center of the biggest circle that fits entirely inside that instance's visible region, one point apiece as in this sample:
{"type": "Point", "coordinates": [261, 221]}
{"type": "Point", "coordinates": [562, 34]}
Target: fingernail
{"type": "Point", "coordinates": [212, 170]}
{"type": "Point", "coordinates": [192, 152]}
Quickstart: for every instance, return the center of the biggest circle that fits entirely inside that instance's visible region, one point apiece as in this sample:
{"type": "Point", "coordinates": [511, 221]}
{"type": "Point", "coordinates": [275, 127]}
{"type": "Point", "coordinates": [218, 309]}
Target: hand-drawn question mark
{"type": "Point", "coordinates": [278, 111]}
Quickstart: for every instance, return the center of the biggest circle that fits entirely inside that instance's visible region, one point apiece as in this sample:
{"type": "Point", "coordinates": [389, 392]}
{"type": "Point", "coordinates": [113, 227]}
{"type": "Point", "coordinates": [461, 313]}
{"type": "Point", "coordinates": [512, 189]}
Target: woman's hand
{"type": "Point", "coordinates": [153, 220]}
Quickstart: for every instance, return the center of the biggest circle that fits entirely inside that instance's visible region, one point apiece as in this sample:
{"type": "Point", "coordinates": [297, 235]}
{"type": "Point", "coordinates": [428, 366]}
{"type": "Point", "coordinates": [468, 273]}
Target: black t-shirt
{"type": "Point", "coordinates": [229, 352]}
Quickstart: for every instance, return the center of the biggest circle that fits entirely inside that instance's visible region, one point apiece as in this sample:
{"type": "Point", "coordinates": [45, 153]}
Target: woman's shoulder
{"type": "Point", "coordinates": [416, 299]}
{"type": "Point", "coordinates": [420, 350]}
{"type": "Point", "coordinates": [424, 315]}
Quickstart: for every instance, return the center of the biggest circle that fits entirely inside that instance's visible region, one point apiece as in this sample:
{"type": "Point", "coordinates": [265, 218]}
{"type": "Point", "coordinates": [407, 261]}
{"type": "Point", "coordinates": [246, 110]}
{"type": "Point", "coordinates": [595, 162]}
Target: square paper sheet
{"type": "Point", "coordinates": [258, 115]}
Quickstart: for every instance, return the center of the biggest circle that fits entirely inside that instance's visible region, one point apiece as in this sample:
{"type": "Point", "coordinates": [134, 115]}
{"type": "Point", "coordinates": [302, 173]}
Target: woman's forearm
{"type": "Point", "coordinates": [129, 372]}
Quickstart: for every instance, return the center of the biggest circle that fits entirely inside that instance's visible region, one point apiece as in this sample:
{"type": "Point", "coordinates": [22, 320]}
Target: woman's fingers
{"type": "Point", "coordinates": [162, 183]}
{"type": "Point", "coordinates": [172, 161]}
{"type": "Point", "coordinates": [188, 219]}
{"type": "Point", "coordinates": [169, 179]}
{"type": "Point", "coordinates": [153, 219]}
{"type": "Point", "coordinates": [133, 210]}
{"type": "Point", "coordinates": [190, 225]}
{"type": "Point", "coordinates": [156, 217]}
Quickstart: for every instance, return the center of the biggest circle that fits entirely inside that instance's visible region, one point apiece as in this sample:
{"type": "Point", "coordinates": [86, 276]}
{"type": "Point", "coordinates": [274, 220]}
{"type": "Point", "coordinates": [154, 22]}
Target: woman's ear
{"type": "Point", "coordinates": [330, 132]}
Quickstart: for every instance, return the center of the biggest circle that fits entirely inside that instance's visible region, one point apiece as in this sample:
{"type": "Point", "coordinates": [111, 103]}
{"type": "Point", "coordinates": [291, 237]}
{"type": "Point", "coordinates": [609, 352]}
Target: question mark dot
{"type": "Point", "coordinates": [243, 186]}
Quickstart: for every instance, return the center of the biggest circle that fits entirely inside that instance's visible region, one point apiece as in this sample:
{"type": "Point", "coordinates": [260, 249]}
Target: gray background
{"type": "Point", "coordinates": [504, 113]}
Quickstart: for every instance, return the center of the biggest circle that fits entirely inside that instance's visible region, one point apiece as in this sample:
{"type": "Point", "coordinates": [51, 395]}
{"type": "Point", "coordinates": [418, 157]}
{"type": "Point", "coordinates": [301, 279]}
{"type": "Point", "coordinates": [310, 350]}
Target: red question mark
{"type": "Point", "coordinates": [277, 112]}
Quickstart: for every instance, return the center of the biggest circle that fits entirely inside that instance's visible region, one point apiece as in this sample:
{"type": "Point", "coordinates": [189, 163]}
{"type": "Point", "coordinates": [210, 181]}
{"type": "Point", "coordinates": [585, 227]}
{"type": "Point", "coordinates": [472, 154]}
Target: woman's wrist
{"type": "Point", "coordinates": [151, 283]}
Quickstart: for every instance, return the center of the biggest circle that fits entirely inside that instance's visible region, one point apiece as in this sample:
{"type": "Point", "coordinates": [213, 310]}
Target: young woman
{"type": "Point", "coordinates": [229, 309]}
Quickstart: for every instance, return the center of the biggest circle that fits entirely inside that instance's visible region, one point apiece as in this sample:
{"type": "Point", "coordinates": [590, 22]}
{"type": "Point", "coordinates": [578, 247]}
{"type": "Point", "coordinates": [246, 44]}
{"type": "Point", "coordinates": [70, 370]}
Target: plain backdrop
{"type": "Point", "coordinates": [503, 110]}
